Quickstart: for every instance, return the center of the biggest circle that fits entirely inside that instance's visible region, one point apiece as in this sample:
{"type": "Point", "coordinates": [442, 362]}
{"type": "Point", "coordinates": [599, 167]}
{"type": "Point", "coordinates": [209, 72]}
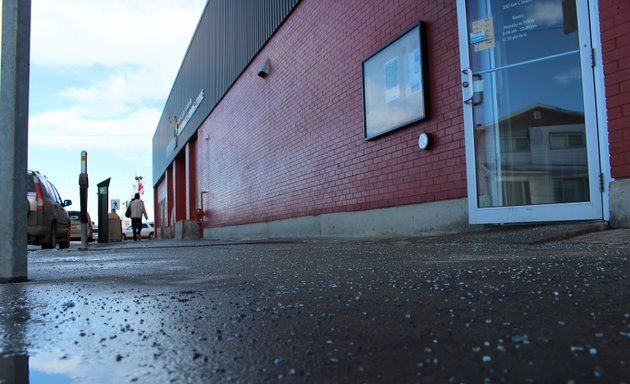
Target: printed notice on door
{"type": "Point", "coordinates": [482, 36]}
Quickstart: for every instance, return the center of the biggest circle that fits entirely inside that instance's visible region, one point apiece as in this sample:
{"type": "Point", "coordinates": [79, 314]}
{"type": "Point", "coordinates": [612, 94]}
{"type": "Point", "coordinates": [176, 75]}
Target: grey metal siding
{"type": "Point", "coordinates": [229, 35]}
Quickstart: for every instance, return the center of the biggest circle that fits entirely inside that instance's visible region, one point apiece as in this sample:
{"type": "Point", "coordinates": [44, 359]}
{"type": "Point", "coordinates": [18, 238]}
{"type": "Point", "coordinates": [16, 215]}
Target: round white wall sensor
{"type": "Point", "coordinates": [424, 141]}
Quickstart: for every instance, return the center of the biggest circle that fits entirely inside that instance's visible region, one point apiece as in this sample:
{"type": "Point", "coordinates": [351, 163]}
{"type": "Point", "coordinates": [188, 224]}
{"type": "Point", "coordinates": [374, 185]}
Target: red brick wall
{"type": "Point", "coordinates": [615, 28]}
{"type": "Point", "coordinates": [292, 144]}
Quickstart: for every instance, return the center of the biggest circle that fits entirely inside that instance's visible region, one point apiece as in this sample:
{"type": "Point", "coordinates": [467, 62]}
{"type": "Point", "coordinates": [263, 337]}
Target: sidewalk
{"type": "Point", "coordinates": [588, 232]}
{"type": "Point", "coordinates": [509, 304]}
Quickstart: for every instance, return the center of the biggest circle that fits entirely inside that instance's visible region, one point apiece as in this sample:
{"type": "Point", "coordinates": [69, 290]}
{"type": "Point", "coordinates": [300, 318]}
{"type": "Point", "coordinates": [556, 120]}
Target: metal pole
{"type": "Point", "coordinates": [83, 189]}
{"type": "Point", "coordinates": [14, 86]}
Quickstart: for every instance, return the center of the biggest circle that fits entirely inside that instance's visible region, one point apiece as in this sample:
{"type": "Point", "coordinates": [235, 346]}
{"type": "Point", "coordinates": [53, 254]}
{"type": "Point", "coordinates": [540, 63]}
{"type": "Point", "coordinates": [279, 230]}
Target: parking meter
{"type": "Point", "coordinates": [103, 201]}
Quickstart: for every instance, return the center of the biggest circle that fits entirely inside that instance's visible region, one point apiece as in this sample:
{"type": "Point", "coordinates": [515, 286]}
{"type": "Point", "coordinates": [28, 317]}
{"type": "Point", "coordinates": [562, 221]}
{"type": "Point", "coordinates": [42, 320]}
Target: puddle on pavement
{"type": "Point", "coordinates": [23, 369]}
{"type": "Point", "coordinates": [102, 333]}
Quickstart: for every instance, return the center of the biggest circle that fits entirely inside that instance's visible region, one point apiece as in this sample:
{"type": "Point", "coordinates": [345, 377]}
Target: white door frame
{"type": "Point", "coordinates": [597, 142]}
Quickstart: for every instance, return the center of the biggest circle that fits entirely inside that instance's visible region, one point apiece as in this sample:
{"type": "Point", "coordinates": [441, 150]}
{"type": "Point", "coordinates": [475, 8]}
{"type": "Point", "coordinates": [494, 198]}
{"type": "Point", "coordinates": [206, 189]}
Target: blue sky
{"type": "Point", "coordinates": [101, 71]}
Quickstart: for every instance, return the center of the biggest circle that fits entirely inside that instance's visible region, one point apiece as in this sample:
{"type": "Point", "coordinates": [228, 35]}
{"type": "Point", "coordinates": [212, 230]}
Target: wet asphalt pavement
{"type": "Point", "coordinates": [486, 307]}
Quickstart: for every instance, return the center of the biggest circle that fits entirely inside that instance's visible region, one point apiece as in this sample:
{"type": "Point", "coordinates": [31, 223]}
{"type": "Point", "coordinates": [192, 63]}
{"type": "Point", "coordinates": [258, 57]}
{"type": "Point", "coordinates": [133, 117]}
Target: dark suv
{"type": "Point", "coordinates": [48, 221]}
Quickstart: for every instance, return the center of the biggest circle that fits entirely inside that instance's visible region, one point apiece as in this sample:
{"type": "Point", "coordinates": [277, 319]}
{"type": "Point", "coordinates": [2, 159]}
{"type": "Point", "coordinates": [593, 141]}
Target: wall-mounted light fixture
{"type": "Point", "coordinates": [424, 141]}
{"type": "Point", "coordinates": [264, 69]}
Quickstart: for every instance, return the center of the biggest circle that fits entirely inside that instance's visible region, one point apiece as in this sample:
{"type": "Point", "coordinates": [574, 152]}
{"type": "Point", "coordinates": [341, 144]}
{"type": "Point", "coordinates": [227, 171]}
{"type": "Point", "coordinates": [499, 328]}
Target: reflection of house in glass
{"type": "Point", "coordinates": [539, 158]}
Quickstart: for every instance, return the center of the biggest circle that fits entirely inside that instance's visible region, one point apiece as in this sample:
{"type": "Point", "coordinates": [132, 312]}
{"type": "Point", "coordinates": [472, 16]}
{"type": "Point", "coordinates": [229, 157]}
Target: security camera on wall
{"type": "Point", "coordinates": [264, 69]}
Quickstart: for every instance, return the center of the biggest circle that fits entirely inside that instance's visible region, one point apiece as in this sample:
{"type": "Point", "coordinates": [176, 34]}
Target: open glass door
{"type": "Point", "coordinates": [529, 109]}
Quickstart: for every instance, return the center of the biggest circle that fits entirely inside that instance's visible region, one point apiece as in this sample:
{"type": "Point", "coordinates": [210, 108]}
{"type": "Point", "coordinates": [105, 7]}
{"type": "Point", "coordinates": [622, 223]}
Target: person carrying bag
{"type": "Point", "coordinates": [137, 210]}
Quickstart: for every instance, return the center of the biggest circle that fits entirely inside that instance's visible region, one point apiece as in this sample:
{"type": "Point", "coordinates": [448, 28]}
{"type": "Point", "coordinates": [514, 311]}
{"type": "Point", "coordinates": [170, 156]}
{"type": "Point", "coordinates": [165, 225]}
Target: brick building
{"type": "Point", "coordinates": [310, 118]}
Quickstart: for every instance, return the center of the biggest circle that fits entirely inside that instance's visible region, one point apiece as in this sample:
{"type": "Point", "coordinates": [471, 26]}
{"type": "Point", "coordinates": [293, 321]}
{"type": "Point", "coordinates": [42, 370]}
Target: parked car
{"type": "Point", "coordinates": [48, 221]}
{"type": "Point", "coordinates": [146, 232]}
{"type": "Point", "coordinates": [75, 226]}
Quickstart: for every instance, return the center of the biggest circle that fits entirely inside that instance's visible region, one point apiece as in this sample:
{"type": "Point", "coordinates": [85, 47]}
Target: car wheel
{"type": "Point", "coordinates": [52, 238]}
{"type": "Point", "coordinates": [124, 237]}
{"type": "Point", "coordinates": [65, 244]}
{"type": "Point", "coordinates": [151, 236]}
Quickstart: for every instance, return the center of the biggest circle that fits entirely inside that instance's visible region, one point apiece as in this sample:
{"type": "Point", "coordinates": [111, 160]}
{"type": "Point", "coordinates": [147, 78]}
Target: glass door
{"type": "Point", "coordinates": [529, 109]}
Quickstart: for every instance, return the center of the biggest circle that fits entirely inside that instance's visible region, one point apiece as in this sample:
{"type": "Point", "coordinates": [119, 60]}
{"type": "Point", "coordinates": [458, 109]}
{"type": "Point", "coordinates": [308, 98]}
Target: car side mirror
{"type": "Point", "coordinates": [67, 202]}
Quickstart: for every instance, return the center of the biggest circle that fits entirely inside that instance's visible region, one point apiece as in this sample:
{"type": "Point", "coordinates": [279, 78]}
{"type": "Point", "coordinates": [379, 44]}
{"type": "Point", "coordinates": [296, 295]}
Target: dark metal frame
{"type": "Point", "coordinates": [423, 107]}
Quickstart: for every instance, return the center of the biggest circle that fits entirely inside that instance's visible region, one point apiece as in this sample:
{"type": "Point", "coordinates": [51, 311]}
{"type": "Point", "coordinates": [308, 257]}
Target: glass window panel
{"type": "Point", "coordinates": [524, 30]}
{"type": "Point", "coordinates": [514, 143]}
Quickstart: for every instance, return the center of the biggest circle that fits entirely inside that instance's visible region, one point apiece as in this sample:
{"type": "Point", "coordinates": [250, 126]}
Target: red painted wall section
{"type": "Point", "coordinates": [169, 198]}
{"type": "Point", "coordinates": [615, 29]}
{"type": "Point", "coordinates": [292, 144]}
{"type": "Point", "coordinates": [179, 187]}
{"type": "Point", "coordinates": [191, 178]}
{"type": "Point", "coordinates": [157, 218]}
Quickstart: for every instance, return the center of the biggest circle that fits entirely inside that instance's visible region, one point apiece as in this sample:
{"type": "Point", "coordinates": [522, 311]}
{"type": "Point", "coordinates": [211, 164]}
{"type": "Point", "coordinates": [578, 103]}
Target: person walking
{"type": "Point", "coordinates": [137, 211]}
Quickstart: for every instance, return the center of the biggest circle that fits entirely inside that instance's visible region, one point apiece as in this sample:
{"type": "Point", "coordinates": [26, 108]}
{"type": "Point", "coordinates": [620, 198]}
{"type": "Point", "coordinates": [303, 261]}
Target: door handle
{"type": "Point", "coordinates": [473, 82]}
{"type": "Point", "coordinates": [477, 89]}
{"type": "Point", "coordinates": [467, 84]}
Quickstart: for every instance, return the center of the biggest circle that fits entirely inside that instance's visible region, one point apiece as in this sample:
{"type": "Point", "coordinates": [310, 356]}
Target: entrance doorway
{"type": "Point", "coordinates": [532, 145]}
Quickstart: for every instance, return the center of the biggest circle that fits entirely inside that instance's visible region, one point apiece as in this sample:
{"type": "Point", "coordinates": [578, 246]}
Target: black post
{"type": "Point", "coordinates": [103, 204]}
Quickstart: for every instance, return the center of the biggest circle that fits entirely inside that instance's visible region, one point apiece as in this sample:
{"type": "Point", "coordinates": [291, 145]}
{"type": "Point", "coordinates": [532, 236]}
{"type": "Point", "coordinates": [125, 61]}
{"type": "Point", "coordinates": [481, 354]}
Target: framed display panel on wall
{"type": "Point", "coordinates": [395, 84]}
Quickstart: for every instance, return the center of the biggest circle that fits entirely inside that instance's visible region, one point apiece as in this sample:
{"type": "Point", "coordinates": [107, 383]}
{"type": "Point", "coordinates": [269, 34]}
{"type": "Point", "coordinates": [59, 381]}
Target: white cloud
{"type": "Point", "coordinates": [51, 363]}
{"type": "Point", "coordinates": [569, 75]}
{"type": "Point", "coordinates": [112, 32]}
{"type": "Point", "coordinates": [127, 53]}
{"type": "Point", "coordinates": [120, 91]}
{"type": "Point", "coordinates": [546, 14]}
{"type": "Point", "coordinates": [75, 127]}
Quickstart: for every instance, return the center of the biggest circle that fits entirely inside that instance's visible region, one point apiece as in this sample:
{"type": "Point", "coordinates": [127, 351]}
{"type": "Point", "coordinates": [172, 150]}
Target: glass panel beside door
{"type": "Point", "coordinates": [528, 124]}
